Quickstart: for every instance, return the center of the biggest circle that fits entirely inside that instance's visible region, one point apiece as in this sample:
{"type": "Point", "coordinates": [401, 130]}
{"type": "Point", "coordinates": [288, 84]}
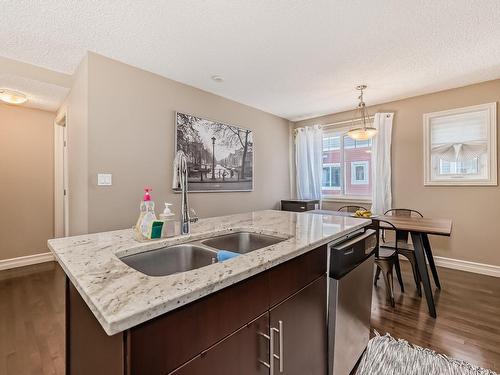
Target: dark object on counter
{"type": "Point", "coordinates": [299, 205]}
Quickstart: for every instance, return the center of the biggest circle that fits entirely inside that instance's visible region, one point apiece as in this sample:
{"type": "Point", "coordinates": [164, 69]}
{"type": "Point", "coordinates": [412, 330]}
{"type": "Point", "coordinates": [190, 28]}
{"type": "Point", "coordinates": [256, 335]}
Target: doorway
{"type": "Point", "coordinates": [61, 207]}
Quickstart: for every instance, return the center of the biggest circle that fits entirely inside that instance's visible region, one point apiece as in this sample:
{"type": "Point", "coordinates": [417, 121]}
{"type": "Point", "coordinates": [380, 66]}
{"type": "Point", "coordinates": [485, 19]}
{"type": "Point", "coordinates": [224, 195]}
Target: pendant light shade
{"type": "Point", "coordinates": [362, 134]}
{"type": "Point", "coordinates": [367, 131]}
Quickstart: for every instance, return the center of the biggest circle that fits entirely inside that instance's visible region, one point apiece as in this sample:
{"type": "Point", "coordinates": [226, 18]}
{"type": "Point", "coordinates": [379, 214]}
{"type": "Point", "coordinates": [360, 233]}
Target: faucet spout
{"type": "Point", "coordinates": [181, 177]}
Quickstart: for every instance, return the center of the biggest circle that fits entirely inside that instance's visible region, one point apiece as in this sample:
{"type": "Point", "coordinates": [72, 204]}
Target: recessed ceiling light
{"type": "Point", "coordinates": [218, 78]}
{"type": "Point", "coordinates": [12, 97]}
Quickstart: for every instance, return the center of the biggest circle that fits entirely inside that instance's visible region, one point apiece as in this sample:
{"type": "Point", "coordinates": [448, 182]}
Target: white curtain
{"type": "Point", "coordinates": [309, 162]}
{"type": "Point", "coordinates": [381, 163]}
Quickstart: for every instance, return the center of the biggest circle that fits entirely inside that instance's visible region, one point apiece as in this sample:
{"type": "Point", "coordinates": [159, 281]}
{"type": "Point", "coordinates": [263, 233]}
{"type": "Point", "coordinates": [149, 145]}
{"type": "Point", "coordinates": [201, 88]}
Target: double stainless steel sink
{"type": "Point", "coordinates": [185, 257]}
{"type": "Point", "coordinates": [241, 242]}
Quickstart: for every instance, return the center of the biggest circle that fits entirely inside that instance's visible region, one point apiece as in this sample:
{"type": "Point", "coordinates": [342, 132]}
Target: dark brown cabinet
{"type": "Point", "coordinates": [299, 327]}
{"type": "Point", "coordinates": [228, 332]}
{"type": "Point", "coordinates": [298, 345]}
{"type": "Point", "coordinates": [245, 352]}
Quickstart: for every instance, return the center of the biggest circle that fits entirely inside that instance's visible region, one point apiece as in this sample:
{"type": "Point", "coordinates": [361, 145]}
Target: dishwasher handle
{"type": "Point", "coordinates": [344, 245]}
{"type": "Point", "coordinates": [345, 256]}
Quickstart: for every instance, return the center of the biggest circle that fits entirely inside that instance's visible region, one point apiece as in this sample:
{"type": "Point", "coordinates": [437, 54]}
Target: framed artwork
{"type": "Point", "coordinates": [220, 156]}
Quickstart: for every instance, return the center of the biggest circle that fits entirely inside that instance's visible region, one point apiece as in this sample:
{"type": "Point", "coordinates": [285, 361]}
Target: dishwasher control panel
{"type": "Point", "coordinates": [346, 255]}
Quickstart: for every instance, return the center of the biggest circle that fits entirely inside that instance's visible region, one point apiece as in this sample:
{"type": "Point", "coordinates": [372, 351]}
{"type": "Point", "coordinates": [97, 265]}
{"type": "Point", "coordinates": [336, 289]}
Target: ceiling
{"type": "Point", "coordinates": [296, 59]}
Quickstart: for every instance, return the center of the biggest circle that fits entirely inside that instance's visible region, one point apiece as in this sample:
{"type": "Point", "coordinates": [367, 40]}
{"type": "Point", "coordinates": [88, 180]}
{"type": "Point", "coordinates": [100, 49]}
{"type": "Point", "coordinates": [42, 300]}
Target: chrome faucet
{"type": "Point", "coordinates": [181, 178]}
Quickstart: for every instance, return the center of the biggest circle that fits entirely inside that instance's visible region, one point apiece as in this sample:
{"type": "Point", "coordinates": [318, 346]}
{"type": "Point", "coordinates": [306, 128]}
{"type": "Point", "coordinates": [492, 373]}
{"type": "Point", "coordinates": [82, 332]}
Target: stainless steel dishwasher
{"type": "Point", "coordinates": [350, 281]}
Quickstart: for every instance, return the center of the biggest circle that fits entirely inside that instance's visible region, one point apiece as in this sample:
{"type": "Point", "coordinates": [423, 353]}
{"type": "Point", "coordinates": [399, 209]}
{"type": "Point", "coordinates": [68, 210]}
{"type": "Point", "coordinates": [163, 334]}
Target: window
{"type": "Point", "coordinates": [460, 146]}
{"type": "Point", "coordinates": [466, 167]}
{"type": "Point", "coordinates": [331, 143]}
{"type": "Point", "coordinates": [359, 173]}
{"type": "Point", "coordinates": [331, 176]}
{"type": "Point", "coordinates": [346, 166]}
{"type": "Point", "coordinates": [351, 143]}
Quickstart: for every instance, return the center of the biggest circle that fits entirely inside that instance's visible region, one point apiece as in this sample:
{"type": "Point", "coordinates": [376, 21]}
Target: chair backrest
{"type": "Point", "coordinates": [351, 208]}
{"type": "Point", "coordinates": [402, 236]}
{"type": "Point", "coordinates": [383, 225]}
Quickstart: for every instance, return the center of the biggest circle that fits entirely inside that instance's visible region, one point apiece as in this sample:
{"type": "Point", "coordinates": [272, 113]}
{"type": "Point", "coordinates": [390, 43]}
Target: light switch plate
{"type": "Point", "coordinates": [104, 179]}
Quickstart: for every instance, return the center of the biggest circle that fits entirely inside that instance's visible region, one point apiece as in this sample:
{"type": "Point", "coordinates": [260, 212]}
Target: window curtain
{"type": "Point", "coordinates": [309, 162]}
{"type": "Point", "coordinates": [381, 163]}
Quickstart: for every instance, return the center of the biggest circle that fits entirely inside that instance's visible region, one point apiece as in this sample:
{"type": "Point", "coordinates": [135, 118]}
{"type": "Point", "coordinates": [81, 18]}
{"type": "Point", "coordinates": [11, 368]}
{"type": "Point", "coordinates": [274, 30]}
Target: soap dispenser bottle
{"type": "Point", "coordinates": [147, 215]}
{"type": "Point", "coordinates": [168, 218]}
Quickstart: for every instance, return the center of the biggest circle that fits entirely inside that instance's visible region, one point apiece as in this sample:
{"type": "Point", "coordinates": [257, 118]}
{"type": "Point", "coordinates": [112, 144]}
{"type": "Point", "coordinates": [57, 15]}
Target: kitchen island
{"type": "Point", "coordinates": [230, 314]}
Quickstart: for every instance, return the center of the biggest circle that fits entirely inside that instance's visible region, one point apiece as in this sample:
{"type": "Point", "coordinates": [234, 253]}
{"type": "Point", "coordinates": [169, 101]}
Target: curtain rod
{"type": "Point", "coordinates": [345, 122]}
{"type": "Point", "coordinates": [333, 124]}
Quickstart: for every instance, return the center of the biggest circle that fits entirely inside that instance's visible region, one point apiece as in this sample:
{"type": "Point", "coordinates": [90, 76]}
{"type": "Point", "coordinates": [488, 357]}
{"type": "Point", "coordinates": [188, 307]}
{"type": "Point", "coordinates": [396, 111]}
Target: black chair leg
{"type": "Point", "coordinates": [398, 272]}
{"type": "Point", "coordinates": [389, 285]}
{"type": "Point", "coordinates": [377, 275]}
{"type": "Point", "coordinates": [385, 267]}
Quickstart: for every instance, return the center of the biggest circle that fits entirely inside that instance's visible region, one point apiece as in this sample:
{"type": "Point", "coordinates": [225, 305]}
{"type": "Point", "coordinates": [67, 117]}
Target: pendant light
{"type": "Point", "coordinates": [12, 97]}
{"type": "Point", "coordinates": [367, 131]}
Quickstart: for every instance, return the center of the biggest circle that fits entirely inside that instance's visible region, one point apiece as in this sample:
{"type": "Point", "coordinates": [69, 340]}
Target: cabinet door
{"type": "Point", "coordinates": [242, 353]}
{"type": "Point", "coordinates": [302, 342]}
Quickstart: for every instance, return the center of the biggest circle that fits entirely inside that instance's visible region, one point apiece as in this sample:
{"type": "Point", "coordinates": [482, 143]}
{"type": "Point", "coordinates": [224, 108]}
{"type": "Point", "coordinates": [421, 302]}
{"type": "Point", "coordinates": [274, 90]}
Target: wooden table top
{"type": "Point", "coordinates": [439, 227]}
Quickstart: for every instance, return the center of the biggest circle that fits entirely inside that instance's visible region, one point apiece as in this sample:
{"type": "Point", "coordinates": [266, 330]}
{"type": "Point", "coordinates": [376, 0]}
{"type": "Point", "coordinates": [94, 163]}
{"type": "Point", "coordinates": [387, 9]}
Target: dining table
{"type": "Point", "coordinates": [419, 229]}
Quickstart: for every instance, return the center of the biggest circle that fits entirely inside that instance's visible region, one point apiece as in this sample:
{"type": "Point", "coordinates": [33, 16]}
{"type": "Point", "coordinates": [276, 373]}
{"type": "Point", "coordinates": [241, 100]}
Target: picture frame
{"type": "Point", "coordinates": [220, 155]}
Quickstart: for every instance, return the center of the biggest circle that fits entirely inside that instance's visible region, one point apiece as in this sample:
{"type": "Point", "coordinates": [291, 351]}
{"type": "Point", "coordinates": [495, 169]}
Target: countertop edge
{"type": "Point", "coordinates": [118, 325]}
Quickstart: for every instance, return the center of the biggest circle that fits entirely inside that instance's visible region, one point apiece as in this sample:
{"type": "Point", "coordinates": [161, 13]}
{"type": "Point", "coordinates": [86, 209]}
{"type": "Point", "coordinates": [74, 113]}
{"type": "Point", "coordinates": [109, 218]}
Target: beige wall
{"type": "Point", "coordinates": [75, 107]}
{"type": "Point", "coordinates": [26, 172]}
{"type": "Point", "coordinates": [473, 209]}
{"type": "Point", "coordinates": [131, 135]}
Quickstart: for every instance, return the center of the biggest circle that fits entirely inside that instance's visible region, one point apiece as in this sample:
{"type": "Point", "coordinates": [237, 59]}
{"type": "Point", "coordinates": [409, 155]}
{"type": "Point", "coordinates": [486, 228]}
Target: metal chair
{"type": "Point", "coordinates": [402, 244]}
{"type": "Point", "coordinates": [351, 208]}
{"type": "Point", "coordinates": [386, 259]}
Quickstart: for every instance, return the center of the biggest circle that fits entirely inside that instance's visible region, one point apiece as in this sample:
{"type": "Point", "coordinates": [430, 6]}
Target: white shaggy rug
{"type": "Point", "coordinates": [387, 356]}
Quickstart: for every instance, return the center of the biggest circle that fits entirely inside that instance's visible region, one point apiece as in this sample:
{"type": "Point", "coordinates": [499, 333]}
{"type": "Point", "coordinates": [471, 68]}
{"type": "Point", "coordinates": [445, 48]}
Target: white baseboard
{"type": "Point", "coordinates": [28, 260]}
{"type": "Point", "coordinates": [463, 265]}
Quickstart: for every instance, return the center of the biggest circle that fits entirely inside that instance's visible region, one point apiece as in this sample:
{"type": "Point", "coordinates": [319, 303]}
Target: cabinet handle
{"type": "Point", "coordinates": [264, 363]}
{"type": "Point", "coordinates": [267, 337]}
{"type": "Point", "coordinates": [280, 325]}
{"type": "Point", "coordinates": [274, 356]}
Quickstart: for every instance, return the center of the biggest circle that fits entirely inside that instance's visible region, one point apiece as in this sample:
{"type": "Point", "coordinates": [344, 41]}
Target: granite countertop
{"type": "Point", "coordinates": [121, 297]}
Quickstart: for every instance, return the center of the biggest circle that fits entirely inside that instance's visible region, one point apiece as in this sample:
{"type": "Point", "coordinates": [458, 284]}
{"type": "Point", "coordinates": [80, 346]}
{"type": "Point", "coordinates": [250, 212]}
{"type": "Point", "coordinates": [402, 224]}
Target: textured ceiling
{"type": "Point", "coordinates": [296, 59]}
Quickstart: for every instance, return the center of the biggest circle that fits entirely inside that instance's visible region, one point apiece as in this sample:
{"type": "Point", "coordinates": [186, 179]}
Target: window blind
{"type": "Point", "coordinates": [460, 137]}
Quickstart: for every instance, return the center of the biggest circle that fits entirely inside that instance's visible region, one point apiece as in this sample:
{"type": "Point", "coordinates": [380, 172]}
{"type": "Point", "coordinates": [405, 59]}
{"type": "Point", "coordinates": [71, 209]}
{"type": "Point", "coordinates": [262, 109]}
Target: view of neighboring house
{"type": "Point", "coordinates": [346, 166]}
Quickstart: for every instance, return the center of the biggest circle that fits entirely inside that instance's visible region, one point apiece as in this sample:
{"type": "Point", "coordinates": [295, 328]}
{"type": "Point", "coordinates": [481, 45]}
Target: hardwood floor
{"type": "Point", "coordinates": [32, 320]}
{"type": "Point", "coordinates": [467, 326]}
